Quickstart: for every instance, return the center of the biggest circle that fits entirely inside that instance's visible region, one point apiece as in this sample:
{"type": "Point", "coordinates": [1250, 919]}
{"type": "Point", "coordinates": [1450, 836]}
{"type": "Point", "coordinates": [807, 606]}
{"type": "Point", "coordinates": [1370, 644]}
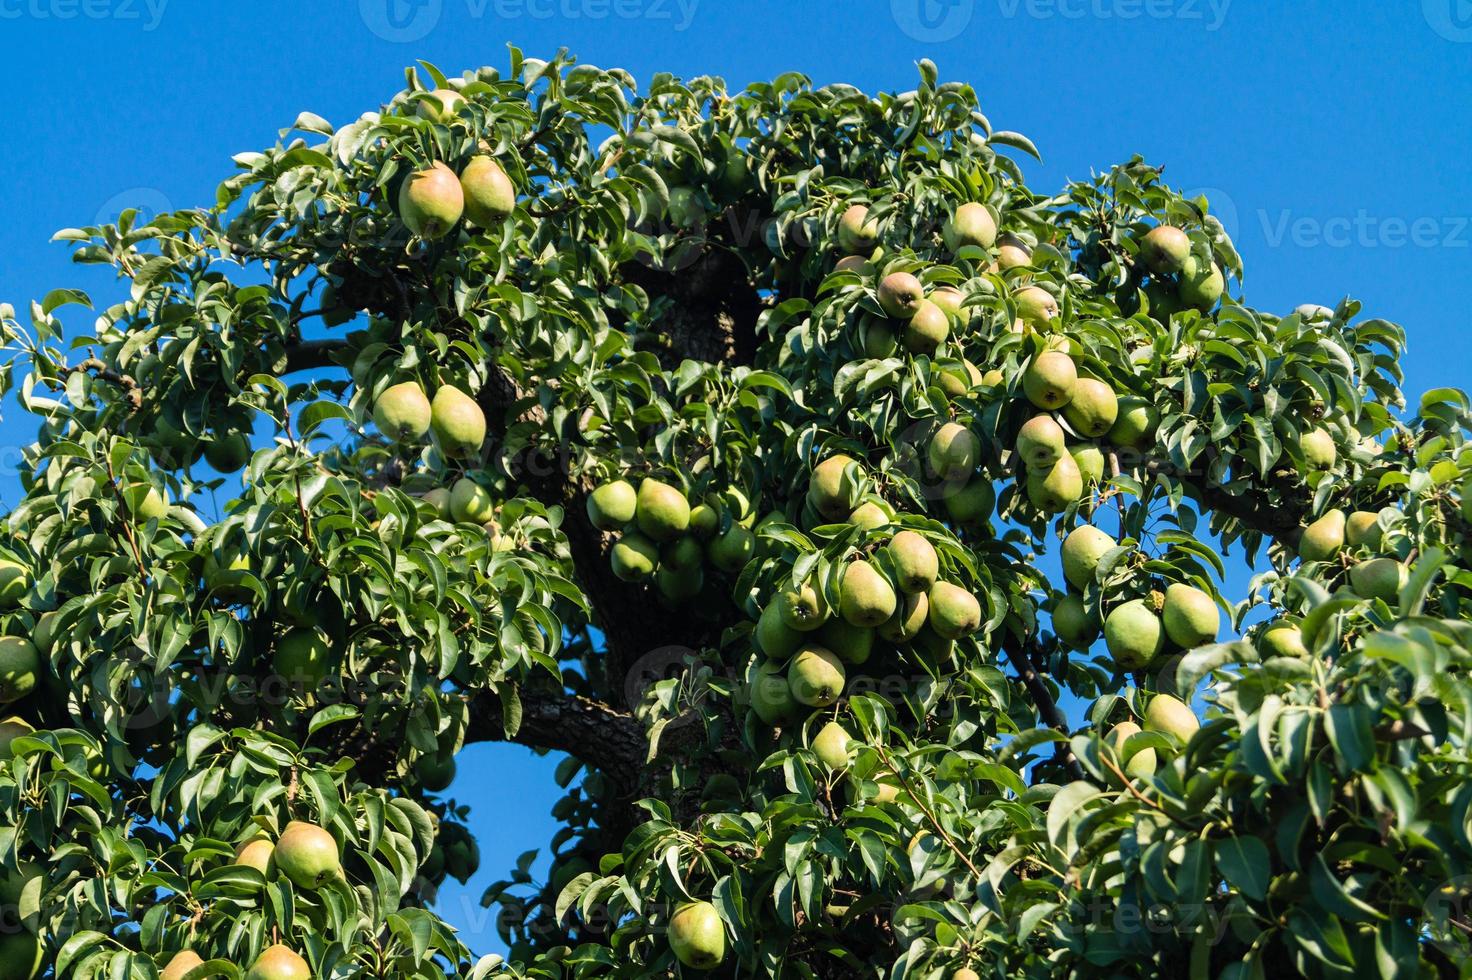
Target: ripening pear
{"type": "Point", "coordinates": [633, 557]}
{"type": "Point", "coordinates": [1378, 578]}
{"type": "Point", "coordinates": [915, 562]}
{"type": "Point", "coordinates": [832, 490]}
{"type": "Point", "coordinates": [662, 511]}
{"type": "Point", "coordinates": [11, 729]}
{"type": "Point", "coordinates": [308, 855]}
{"type": "Point", "coordinates": [852, 263]}
{"type": "Point", "coordinates": [870, 514]}
{"type": "Point", "coordinates": [470, 502]}
{"type": "Point", "coordinates": [1013, 253]}
{"type": "Point", "coordinates": [144, 501]}
{"type": "Point", "coordinates": [1135, 423]}
{"type": "Point", "coordinates": [856, 231]}
{"type": "Point", "coordinates": [953, 450]}
{"type": "Point", "coordinates": [228, 452]}
{"type": "Point", "coordinates": [256, 853]}
{"type": "Point", "coordinates": [972, 503]}
{"type": "Point", "coordinates": [489, 194]}
{"type": "Point", "coordinates": [949, 299]}
{"type": "Point", "coordinates": [20, 668]}
{"type": "Point", "coordinates": [303, 656]}
{"type": "Point", "coordinates": [697, 936]}
{"type": "Point", "coordinates": [440, 105]}
{"type": "Point", "coordinates": [1093, 408]}
{"type": "Point", "coordinates": [1164, 250]}
{"type": "Point", "coordinates": [853, 644]}
{"type": "Point", "coordinates": [1052, 490]}
{"type": "Point", "coordinates": [15, 582]}
{"type": "Point", "coordinates": [1202, 283]}
{"type": "Point", "coordinates": [879, 340]}
{"type": "Point", "coordinates": [180, 964]}
{"type": "Point", "coordinates": [1319, 451]}
{"type": "Point", "coordinates": [802, 608]}
{"type": "Point", "coordinates": [1324, 538]}
{"type": "Point", "coordinates": [1191, 617]}
{"type": "Point", "coordinates": [769, 694]}
{"type": "Point", "coordinates": [435, 771]}
{"type": "Point", "coordinates": [900, 295]}
{"type": "Point", "coordinates": [402, 412]}
{"type": "Point", "coordinates": [682, 554]}
{"type": "Point", "coordinates": [1281, 639]}
{"type": "Point", "coordinates": [1041, 442]}
{"type": "Point", "coordinates": [730, 550]}
{"type": "Point", "coordinates": [1362, 530]}
{"type": "Point", "coordinates": [1049, 380]}
{"type": "Point", "coordinates": [954, 612]}
{"type": "Point", "coordinates": [926, 329]}
{"type": "Point", "coordinates": [865, 597]}
{"type": "Point", "coordinates": [816, 676]}
{"type": "Point", "coordinates": [970, 224]}
{"type": "Point", "coordinates": [1171, 716]}
{"type": "Point", "coordinates": [910, 616]}
{"type": "Point", "coordinates": [705, 520]}
{"type": "Point", "coordinates": [1083, 549]}
{"type": "Point", "coordinates": [1090, 460]}
{"type": "Point", "coordinates": [1142, 763]}
{"type": "Point", "coordinates": [1036, 306]}
{"type": "Point", "coordinates": [279, 963]}
{"type": "Point", "coordinates": [773, 636]}
{"type": "Point", "coordinates": [612, 505]}
{"type": "Point", "coordinates": [1074, 624]}
{"type": "Point", "coordinates": [459, 424]}
{"type": "Point", "coordinates": [1164, 303]}
{"type": "Point", "coordinates": [438, 498]}
{"type": "Point", "coordinates": [830, 745]}
{"type": "Point", "coordinates": [431, 201]}
{"type": "Point", "coordinates": [965, 973]}
{"type": "Point", "coordinates": [1133, 634]}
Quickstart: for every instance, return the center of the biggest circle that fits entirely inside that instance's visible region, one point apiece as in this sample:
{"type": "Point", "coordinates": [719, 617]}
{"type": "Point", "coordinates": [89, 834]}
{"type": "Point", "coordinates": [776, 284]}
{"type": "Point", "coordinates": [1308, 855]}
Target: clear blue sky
{"type": "Point", "coordinates": [1332, 135]}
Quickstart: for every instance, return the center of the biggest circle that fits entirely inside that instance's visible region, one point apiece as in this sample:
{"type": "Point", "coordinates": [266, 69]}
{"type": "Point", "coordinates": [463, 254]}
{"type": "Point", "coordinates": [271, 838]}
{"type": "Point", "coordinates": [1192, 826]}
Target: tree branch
{"type": "Point", "coordinates": [307, 355]}
{"type": "Point", "coordinates": [1252, 510]}
{"type": "Point", "coordinates": [589, 730]}
{"type": "Point", "coordinates": [1017, 651]}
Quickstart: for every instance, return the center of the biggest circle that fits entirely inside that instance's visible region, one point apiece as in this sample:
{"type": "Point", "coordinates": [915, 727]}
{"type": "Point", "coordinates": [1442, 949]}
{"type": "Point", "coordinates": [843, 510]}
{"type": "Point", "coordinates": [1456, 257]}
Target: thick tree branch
{"type": "Point", "coordinates": [307, 355]}
{"type": "Point", "coordinates": [1252, 510]}
{"type": "Point", "coordinates": [589, 730]}
{"type": "Point", "coordinates": [1018, 652]}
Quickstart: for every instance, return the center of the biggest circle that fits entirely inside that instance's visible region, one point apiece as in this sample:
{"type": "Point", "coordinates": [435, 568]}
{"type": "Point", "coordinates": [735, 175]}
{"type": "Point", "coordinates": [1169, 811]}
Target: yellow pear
{"type": "Point", "coordinates": [1324, 538]}
{"type": "Point", "coordinates": [865, 597]}
{"type": "Point", "coordinates": [459, 424]}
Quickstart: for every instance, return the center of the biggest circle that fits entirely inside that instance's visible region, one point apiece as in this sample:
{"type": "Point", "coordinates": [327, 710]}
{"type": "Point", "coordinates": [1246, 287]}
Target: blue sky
{"type": "Point", "coordinates": [1331, 136]}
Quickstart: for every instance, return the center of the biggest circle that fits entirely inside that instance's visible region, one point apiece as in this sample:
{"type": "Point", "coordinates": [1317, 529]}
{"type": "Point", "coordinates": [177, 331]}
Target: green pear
{"type": "Point", "coordinates": [856, 231]}
{"type": "Point", "coordinates": [926, 329]}
{"type": "Point", "coordinates": [1324, 538]}
{"type": "Point", "coordinates": [471, 503]}
{"type": "Point", "coordinates": [402, 412]}
{"type": "Point", "coordinates": [1041, 442]}
{"type": "Point", "coordinates": [879, 339]}
{"type": "Point", "coordinates": [900, 295]}
{"type": "Point", "coordinates": [308, 855]}
{"type": "Point", "coordinates": [705, 520]}
{"type": "Point", "coordinates": [972, 503]}
{"type": "Point", "coordinates": [830, 745]}
{"type": "Point", "coordinates": [1083, 549]}
{"type": "Point", "coordinates": [1378, 578]}
{"type": "Point", "coordinates": [870, 514]}
{"type": "Point", "coordinates": [865, 597]}
{"type": "Point", "coordinates": [683, 554]}
{"type": "Point", "coordinates": [1164, 250]}
{"type": "Point", "coordinates": [633, 557]}
{"type": "Point", "coordinates": [1036, 307]}
{"type": "Point", "coordinates": [954, 612]}
{"type": "Point", "coordinates": [832, 490]}
{"type": "Point", "coordinates": [915, 562]}
{"type": "Point", "coordinates": [970, 224]}
{"type": "Point", "coordinates": [853, 263]}
{"type": "Point", "coordinates": [1362, 530]}
{"type": "Point", "coordinates": [303, 657]}
{"type": "Point", "coordinates": [1074, 624]}
{"type": "Point", "coordinates": [1191, 617]}
{"type": "Point", "coordinates": [21, 954]}
{"type": "Point", "coordinates": [441, 105]}
{"type": "Point", "coordinates": [459, 424]}
{"type": "Point", "coordinates": [439, 498]}
{"type": "Point", "coordinates": [1281, 639]}
{"type": "Point", "coordinates": [953, 451]}
{"type": "Point", "coordinates": [949, 299]}
{"type": "Point", "coordinates": [662, 511]}
{"type": "Point", "coordinates": [180, 964]}
{"type": "Point", "coordinates": [965, 973]}
{"type": "Point", "coordinates": [731, 549]}
{"type": "Point", "coordinates": [15, 582]}
{"type": "Point", "coordinates": [228, 452]}
{"type": "Point", "coordinates": [853, 644]}
{"type": "Point", "coordinates": [676, 584]}
{"type": "Point", "coordinates": [11, 729]}
{"type": "Point", "coordinates": [769, 694]}
{"type": "Point", "coordinates": [1142, 764]}
{"type": "Point", "coordinates": [773, 636]}
{"type": "Point", "coordinates": [1319, 451]}
{"type": "Point", "coordinates": [955, 382]}
{"type": "Point", "coordinates": [1161, 295]}
{"type": "Point", "coordinates": [258, 853]}
{"type": "Point", "coordinates": [1093, 409]}
{"type": "Point", "coordinates": [816, 676]}
{"type": "Point", "coordinates": [1171, 716]}
{"type": "Point", "coordinates": [697, 936]}
{"type": "Point", "coordinates": [1013, 253]}
{"type": "Point", "coordinates": [1134, 425]}
{"type": "Point", "coordinates": [1049, 380]}
{"type": "Point", "coordinates": [1133, 634]}
{"type": "Point", "coordinates": [279, 963]}
{"type": "Point", "coordinates": [1202, 283]}
{"type": "Point", "coordinates": [910, 616]}
{"type": "Point", "coordinates": [1053, 490]}
{"type": "Point", "coordinates": [612, 505]}
{"type": "Point", "coordinates": [431, 201]}
{"type": "Point", "coordinates": [802, 608]}
{"type": "Point", "coordinates": [144, 501]}
{"type": "Point", "coordinates": [20, 668]}
{"type": "Point", "coordinates": [435, 771]}
{"type": "Point", "coordinates": [489, 194]}
{"type": "Point", "coordinates": [1090, 460]}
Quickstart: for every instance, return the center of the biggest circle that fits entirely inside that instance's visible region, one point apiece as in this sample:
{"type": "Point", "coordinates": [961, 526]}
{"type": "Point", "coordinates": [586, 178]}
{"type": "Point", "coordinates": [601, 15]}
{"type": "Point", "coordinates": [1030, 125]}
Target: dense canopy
{"type": "Point", "coordinates": [712, 438]}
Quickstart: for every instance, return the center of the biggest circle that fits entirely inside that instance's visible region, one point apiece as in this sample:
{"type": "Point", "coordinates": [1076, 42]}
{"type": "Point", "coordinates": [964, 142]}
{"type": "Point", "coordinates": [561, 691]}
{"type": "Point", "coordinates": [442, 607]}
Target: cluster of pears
{"type": "Point", "coordinates": [1370, 577]}
{"type": "Point", "coordinates": [405, 415]}
{"type": "Point", "coordinates": [1180, 277]}
{"type": "Point", "coordinates": [663, 538]}
{"type": "Point", "coordinates": [433, 200]}
{"type": "Point", "coordinates": [1137, 631]}
{"type": "Point", "coordinates": [276, 962]}
{"type": "Point", "coordinates": [1166, 714]}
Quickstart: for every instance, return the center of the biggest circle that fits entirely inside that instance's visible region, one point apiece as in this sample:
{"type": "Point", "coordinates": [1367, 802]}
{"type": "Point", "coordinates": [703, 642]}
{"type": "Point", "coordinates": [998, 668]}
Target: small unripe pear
{"type": "Point", "coordinates": [769, 694]}
{"type": "Point", "coordinates": [856, 232]}
{"type": "Point", "coordinates": [832, 491]}
{"type": "Point", "coordinates": [308, 855]}
{"type": "Point", "coordinates": [1090, 460]}
{"type": "Point", "coordinates": [440, 105]}
{"type": "Point", "coordinates": [1143, 762]}
{"type": "Point", "coordinates": [1378, 578]}
{"type": "Point", "coordinates": [926, 329]}
{"type": "Point", "coordinates": [612, 505]}
{"type": "Point", "coordinates": [953, 451]}
{"type": "Point", "coordinates": [1319, 451]}
{"type": "Point", "coordinates": [1202, 283]}
{"type": "Point", "coordinates": [20, 668]}
{"type": "Point", "coordinates": [865, 597]}
{"type": "Point", "coordinates": [1013, 253]}
{"type": "Point", "coordinates": [402, 412]}
{"type": "Point", "coordinates": [255, 853]}
{"type": "Point", "coordinates": [471, 503]}
{"type": "Point", "coordinates": [1281, 639]}
{"type": "Point", "coordinates": [954, 612]}
{"type": "Point", "coordinates": [1036, 306]}
{"type": "Point", "coordinates": [1362, 530]}
{"type": "Point", "coordinates": [830, 745]}
{"type": "Point", "coordinates": [802, 608]}
{"type": "Point", "coordinates": [633, 557]}
{"type": "Point", "coordinates": [730, 550]}
{"type": "Point", "coordinates": [1074, 624]}
{"type": "Point", "coordinates": [697, 936]}
{"type": "Point", "coordinates": [1134, 424]}
{"type": "Point", "coordinates": [972, 503]}
{"type": "Point", "coordinates": [853, 644]}
{"type": "Point", "coordinates": [1053, 490]}
{"type": "Point", "coordinates": [1171, 716]}
{"type": "Point", "coordinates": [910, 616]}
{"type": "Point", "coordinates": [303, 656]}
{"type": "Point", "coordinates": [915, 562]}
{"type": "Point", "coordinates": [15, 582]}
{"type": "Point", "coordinates": [869, 514]}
